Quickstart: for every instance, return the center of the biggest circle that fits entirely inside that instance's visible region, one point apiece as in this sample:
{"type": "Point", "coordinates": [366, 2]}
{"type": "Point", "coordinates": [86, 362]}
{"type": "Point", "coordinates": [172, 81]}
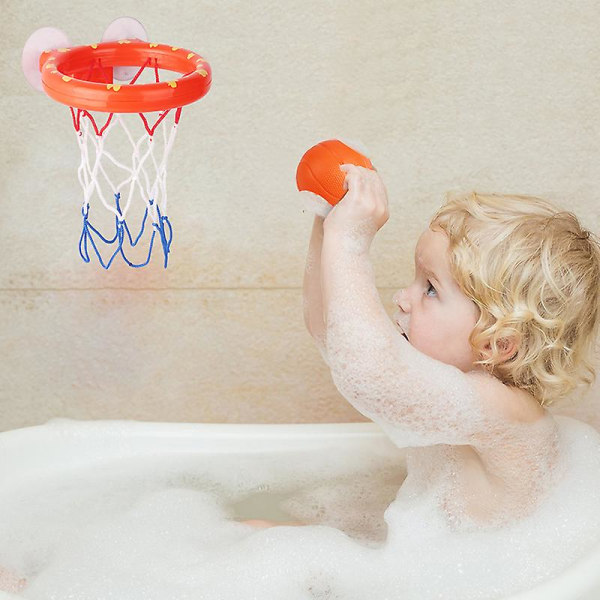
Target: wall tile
{"type": "Point", "coordinates": [496, 98]}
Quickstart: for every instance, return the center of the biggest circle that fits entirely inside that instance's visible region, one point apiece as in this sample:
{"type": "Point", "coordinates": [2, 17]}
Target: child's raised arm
{"type": "Point", "coordinates": [415, 398]}
{"type": "Point", "coordinates": [312, 296]}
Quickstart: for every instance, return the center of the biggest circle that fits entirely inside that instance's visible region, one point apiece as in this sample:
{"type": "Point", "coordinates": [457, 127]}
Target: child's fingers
{"type": "Point", "coordinates": [350, 168]}
{"type": "Point", "coordinates": [345, 169]}
{"type": "Point", "coordinates": [352, 174]}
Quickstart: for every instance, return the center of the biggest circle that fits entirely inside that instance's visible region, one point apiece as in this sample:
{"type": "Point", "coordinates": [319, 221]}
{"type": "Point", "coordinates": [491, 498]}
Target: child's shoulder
{"type": "Point", "coordinates": [503, 402]}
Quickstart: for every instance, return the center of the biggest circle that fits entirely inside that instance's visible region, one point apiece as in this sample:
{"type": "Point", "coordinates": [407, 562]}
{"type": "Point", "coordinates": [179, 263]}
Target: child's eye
{"type": "Point", "coordinates": [430, 287]}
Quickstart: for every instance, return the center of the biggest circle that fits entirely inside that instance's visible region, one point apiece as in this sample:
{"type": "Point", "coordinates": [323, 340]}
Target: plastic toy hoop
{"type": "Point", "coordinates": [82, 78]}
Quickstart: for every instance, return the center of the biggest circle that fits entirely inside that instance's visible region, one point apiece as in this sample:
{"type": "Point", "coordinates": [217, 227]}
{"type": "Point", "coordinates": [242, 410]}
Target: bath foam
{"type": "Point", "coordinates": [163, 528]}
{"type": "Point", "coordinates": [132, 526]}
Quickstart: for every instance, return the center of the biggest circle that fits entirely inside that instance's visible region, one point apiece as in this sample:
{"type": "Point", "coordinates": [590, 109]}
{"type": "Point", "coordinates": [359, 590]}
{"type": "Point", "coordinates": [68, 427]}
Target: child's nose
{"type": "Point", "coordinates": [400, 299]}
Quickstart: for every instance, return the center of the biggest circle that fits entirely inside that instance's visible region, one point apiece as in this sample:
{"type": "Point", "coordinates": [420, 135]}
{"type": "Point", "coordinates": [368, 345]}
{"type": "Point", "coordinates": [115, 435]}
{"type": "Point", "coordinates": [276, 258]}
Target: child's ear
{"type": "Point", "coordinates": [507, 347]}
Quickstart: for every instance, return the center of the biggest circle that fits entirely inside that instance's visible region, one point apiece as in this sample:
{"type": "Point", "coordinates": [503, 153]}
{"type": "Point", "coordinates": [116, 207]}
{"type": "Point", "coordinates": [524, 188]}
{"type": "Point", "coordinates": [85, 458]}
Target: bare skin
{"type": "Point", "coordinates": [263, 524]}
{"type": "Point", "coordinates": [11, 581]}
{"type": "Point", "coordinates": [418, 373]}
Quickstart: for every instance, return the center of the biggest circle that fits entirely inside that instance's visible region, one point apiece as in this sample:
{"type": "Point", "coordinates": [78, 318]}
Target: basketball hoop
{"type": "Point", "coordinates": [84, 78]}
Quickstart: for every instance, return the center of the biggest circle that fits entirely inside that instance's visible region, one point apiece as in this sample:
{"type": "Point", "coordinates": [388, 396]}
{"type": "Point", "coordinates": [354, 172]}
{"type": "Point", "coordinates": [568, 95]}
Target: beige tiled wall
{"type": "Point", "coordinates": [498, 97]}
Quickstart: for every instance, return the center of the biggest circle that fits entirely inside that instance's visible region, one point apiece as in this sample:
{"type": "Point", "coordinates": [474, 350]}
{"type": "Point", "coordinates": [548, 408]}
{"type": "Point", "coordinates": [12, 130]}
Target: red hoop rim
{"type": "Point", "coordinates": [82, 76]}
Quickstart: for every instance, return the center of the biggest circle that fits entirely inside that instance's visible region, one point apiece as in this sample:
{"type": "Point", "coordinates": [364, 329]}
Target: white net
{"type": "Point", "coordinates": [130, 183]}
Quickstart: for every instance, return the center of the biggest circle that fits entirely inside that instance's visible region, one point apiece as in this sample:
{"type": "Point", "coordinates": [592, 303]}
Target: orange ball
{"type": "Point", "coordinates": [319, 169]}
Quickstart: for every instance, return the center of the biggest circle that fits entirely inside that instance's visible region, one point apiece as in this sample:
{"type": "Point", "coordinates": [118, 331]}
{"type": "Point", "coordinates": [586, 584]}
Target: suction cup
{"type": "Point", "coordinates": [121, 29]}
{"type": "Point", "coordinates": [45, 38]}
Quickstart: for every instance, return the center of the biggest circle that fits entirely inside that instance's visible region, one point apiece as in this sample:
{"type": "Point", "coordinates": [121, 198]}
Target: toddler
{"type": "Point", "coordinates": [499, 322]}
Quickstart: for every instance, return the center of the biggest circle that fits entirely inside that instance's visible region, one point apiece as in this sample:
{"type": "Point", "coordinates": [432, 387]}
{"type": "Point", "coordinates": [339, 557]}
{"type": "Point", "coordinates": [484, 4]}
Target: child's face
{"type": "Point", "coordinates": [435, 315]}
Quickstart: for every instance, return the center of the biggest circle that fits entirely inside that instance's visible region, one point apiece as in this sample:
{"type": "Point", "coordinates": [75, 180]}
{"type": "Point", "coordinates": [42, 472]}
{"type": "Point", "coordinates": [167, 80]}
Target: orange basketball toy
{"type": "Point", "coordinates": [319, 169]}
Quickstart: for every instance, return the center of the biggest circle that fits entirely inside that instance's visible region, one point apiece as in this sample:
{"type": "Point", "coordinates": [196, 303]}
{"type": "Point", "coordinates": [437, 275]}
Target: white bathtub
{"type": "Point", "coordinates": [61, 445]}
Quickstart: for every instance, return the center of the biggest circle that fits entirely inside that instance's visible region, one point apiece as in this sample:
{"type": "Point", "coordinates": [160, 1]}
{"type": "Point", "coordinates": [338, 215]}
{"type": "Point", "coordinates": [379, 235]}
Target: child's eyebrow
{"type": "Point", "coordinates": [428, 271]}
{"type": "Point", "coordinates": [433, 276]}
{"type": "Point", "coordinates": [420, 263]}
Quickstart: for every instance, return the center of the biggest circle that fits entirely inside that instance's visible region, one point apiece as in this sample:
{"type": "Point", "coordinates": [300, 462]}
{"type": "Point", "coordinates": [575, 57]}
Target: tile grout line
{"type": "Point", "coordinates": [127, 289]}
{"type": "Point", "coordinates": [168, 289]}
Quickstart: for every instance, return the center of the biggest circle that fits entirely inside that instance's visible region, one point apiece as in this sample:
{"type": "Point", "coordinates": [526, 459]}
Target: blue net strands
{"type": "Point", "coordinates": [123, 238]}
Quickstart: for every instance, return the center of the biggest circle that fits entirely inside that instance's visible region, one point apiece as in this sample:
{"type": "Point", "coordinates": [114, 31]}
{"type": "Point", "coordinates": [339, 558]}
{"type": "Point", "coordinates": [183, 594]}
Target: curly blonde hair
{"type": "Point", "coordinates": [534, 273]}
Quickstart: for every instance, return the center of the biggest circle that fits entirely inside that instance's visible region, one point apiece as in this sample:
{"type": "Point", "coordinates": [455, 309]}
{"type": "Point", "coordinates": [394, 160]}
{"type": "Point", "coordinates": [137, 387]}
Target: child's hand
{"type": "Point", "coordinates": [364, 209]}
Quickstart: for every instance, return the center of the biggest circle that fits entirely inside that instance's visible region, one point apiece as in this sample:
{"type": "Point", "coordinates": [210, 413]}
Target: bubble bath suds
{"type": "Point", "coordinates": [166, 528]}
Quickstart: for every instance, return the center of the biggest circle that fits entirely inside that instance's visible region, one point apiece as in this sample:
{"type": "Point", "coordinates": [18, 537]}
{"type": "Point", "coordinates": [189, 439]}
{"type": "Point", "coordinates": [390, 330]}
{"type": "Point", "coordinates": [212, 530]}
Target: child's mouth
{"type": "Point", "coordinates": [402, 331]}
{"type": "Point", "coordinates": [397, 322]}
